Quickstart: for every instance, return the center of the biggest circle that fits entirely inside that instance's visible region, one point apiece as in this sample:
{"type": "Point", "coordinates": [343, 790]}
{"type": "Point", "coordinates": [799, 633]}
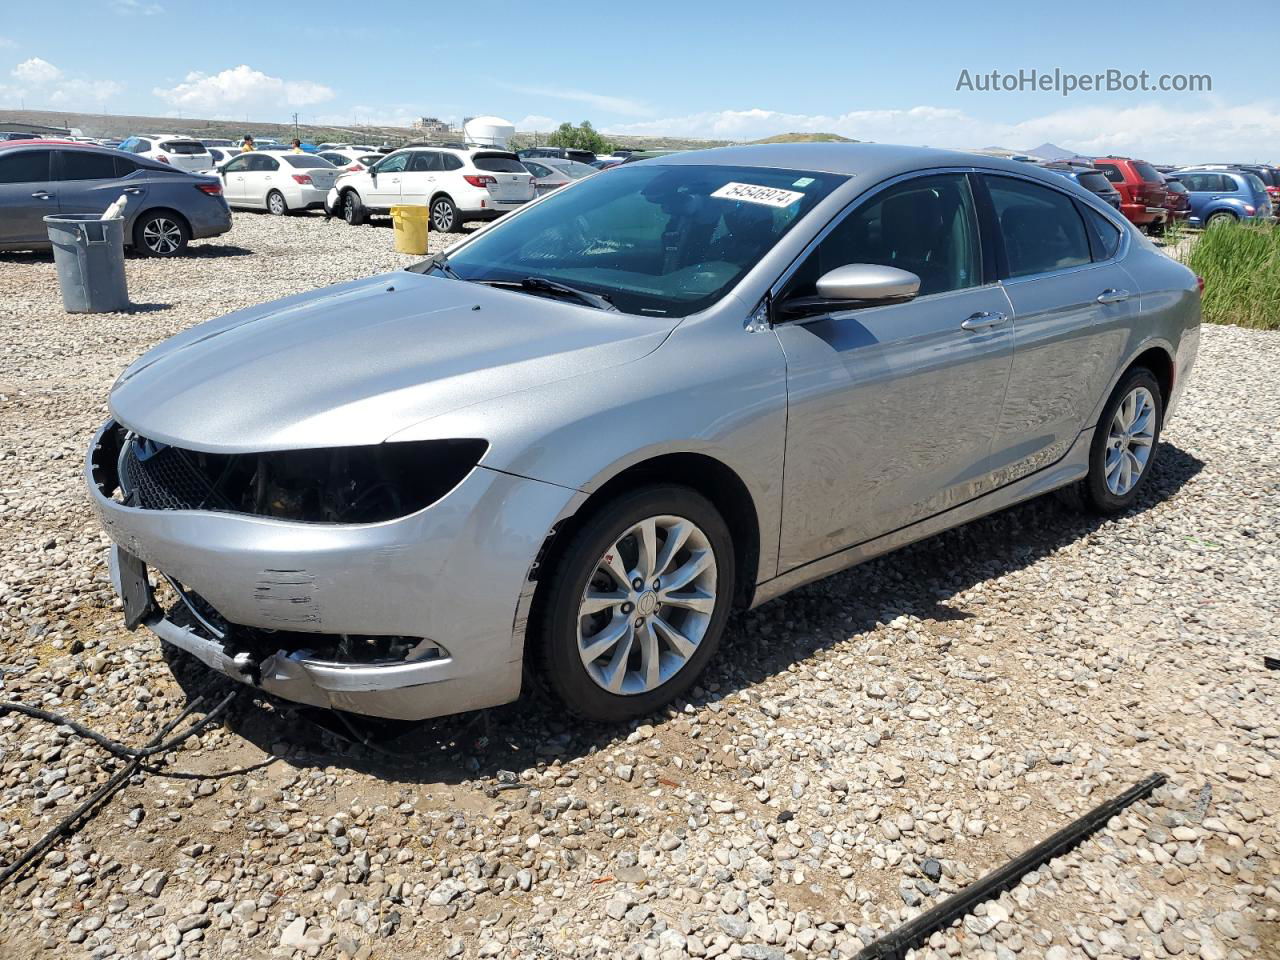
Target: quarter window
{"type": "Point", "coordinates": [1105, 233]}
{"type": "Point", "coordinates": [25, 166]}
{"type": "Point", "coordinates": [926, 225]}
{"type": "Point", "coordinates": [1041, 228]}
{"type": "Point", "coordinates": [1111, 172]}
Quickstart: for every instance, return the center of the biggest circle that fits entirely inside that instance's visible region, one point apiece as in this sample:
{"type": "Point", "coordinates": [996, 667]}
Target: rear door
{"type": "Point", "coordinates": [420, 176]}
{"type": "Point", "coordinates": [1073, 305]}
{"type": "Point", "coordinates": [27, 194]}
{"type": "Point", "coordinates": [89, 181]}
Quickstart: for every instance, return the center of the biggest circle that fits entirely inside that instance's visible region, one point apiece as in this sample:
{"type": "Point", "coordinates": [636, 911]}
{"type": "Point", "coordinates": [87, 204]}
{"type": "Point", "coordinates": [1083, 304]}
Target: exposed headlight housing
{"type": "Point", "coordinates": [365, 484]}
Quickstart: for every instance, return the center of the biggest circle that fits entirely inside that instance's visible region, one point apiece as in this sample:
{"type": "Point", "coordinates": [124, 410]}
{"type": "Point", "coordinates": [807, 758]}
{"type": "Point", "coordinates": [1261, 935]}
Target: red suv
{"type": "Point", "coordinates": [1142, 189]}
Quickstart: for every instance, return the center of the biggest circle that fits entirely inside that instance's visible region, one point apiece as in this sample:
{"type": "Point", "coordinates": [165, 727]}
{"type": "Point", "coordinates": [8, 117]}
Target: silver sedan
{"type": "Point", "coordinates": [579, 440]}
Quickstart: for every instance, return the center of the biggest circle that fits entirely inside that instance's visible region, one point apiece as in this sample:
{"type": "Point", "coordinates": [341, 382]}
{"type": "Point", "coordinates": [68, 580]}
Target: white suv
{"type": "Point", "coordinates": [456, 184]}
{"type": "Point", "coordinates": [181, 153]}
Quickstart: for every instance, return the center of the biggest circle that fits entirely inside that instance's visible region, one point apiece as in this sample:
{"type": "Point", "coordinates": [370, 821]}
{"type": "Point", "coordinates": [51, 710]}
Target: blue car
{"type": "Point", "coordinates": [1224, 195]}
{"type": "Point", "coordinates": [1091, 178]}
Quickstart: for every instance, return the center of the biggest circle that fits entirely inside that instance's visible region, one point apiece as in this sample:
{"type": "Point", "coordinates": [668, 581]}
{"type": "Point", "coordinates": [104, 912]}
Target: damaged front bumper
{"type": "Point", "coordinates": [259, 592]}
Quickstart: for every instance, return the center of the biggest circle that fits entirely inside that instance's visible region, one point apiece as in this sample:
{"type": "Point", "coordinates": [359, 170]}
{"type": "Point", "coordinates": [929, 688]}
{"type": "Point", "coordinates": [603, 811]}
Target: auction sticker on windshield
{"type": "Point", "coordinates": [753, 193]}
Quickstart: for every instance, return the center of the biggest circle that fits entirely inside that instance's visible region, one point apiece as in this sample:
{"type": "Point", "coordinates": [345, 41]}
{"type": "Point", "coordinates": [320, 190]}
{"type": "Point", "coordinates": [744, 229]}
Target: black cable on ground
{"type": "Point", "coordinates": [895, 944]}
{"type": "Point", "coordinates": [135, 757]}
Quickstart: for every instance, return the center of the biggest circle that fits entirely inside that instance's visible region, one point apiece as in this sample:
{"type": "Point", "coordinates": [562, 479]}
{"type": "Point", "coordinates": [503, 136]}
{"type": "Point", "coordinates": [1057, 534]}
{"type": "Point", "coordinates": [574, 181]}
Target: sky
{"type": "Point", "coordinates": [890, 72]}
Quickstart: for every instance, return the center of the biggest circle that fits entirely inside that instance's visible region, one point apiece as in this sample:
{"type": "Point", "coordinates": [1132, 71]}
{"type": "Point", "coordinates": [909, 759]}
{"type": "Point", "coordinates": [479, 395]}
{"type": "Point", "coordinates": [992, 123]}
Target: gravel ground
{"type": "Point", "coordinates": [860, 749]}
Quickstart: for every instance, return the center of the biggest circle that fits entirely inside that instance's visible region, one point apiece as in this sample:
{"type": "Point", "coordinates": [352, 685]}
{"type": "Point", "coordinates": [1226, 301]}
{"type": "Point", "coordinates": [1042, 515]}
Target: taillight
{"type": "Point", "coordinates": [301, 178]}
{"type": "Point", "coordinates": [479, 181]}
{"type": "Point", "coordinates": [1249, 210]}
{"type": "Point", "coordinates": [1200, 283]}
{"type": "Point", "coordinates": [355, 168]}
{"type": "Point", "coordinates": [162, 158]}
{"type": "Point", "coordinates": [212, 189]}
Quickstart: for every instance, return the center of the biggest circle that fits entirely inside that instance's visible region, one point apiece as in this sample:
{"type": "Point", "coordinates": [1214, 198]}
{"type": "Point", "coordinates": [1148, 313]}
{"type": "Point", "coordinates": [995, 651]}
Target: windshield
{"type": "Point", "coordinates": [655, 239]}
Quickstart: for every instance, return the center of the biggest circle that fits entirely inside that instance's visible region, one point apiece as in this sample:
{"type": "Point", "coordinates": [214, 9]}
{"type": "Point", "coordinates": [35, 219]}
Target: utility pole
{"type": "Point", "coordinates": [295, 126]}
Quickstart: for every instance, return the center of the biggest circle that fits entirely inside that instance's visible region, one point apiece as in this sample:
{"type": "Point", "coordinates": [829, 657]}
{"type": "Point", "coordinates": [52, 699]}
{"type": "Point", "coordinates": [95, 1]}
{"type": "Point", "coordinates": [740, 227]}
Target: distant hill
{"type": "Point", "coordinates": [1051, 151]}
{"type": "Point", "coordinates": [805, 138]}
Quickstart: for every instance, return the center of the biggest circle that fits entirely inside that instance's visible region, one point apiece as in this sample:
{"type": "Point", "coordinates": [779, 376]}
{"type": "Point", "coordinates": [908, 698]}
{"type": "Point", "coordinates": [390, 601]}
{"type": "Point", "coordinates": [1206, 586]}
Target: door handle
{"type": "Point", "coordinates": [984, 320]}
{"type": "Point", "coordinates": [42, 195]}
{"type": "Point", "coordinates": [1112, 295]}
{"type": "Point", "coordinates": [133, 191]}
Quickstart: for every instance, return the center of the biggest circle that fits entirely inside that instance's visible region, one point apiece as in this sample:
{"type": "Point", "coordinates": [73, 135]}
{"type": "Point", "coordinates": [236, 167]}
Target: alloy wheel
{"type": "Point", "coordinates": [275, 203]}
{"type": "Point", "coordinates": [162, 235]}
{"type": "Point", "coordinates": [442, 216]}
{"type": "Point", "coordinates": [647, 605]}
{"type": "Point", "coordinates": [1130, 441]}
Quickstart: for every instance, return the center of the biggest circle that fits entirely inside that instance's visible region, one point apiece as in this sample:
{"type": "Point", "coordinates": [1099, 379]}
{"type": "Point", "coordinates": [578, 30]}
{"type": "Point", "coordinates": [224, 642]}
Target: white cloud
{"type": "Point", "coordinates": [135, 8]}
{"type": "Point", "coordinates": [7, 43]}
{"type": "Point", "coordinates": [240, 88]}
{"type": "Point", "coordinates": [618, 105]}
{"type": "Point", "coordinates": [1202, 129]}
{"type": "Point", "coordinates": [536, 122]}
{"type": "Point", "coordinates": [40, 82]}
{"type": "Point", "coordinates": [36, 72]}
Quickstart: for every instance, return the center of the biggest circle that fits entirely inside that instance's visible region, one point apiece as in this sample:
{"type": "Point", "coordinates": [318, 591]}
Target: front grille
{"type": "Point", "coordinates": [167, 478]}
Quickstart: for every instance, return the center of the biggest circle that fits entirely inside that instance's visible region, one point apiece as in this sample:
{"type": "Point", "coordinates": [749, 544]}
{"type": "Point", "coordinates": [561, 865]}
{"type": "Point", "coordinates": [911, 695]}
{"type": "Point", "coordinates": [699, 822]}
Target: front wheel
{"type": "Point", "coordinates": [444, 216]}
{"type": "Point", "coordinates": [636, 603]}
{"type": "Point", "coordinates": [352, 208]}
{"type": "Point", "coordinates": [1124, 443]}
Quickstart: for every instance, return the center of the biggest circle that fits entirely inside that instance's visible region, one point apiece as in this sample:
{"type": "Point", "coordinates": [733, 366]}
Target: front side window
{"type": "Point", "coordinates": [1041, 228]}
{"type": "Point", "coordinates": [87, 165]}
{"type": "Point", "coordinates": [393, 164]}
{"type": "Point", "coordinates": [238, 164]}
{"type": "Point", "coordinates": [25, 166]}
{"type": "Point", "coordinates": [666, 240]}
{"type": "Point", "coordinates": [927, 226]}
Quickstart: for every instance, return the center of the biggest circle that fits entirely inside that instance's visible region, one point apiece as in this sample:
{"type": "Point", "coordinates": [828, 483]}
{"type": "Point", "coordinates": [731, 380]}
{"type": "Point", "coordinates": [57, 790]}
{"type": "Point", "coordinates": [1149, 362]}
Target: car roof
{"type": "Point", "coordinates": [8, 144]}
{"type": "Point", "coordinates": [874, 161]}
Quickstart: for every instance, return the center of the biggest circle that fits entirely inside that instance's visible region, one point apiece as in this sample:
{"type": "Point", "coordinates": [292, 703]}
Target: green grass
{"type": "Point", "coordinates": [1240, 264]}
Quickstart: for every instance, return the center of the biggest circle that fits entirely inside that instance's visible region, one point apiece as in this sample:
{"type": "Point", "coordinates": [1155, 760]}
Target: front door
{"type": "Point", "coordinates": [233, 174]}
{"type": "Point", "coordinates": [384, 190]}
{"type": "Point", "coordinates": [27, 195]}
{"type": "Point", "coordinates": [891, 409]}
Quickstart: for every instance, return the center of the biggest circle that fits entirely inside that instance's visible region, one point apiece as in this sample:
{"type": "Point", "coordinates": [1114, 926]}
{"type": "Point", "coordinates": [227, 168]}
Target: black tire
{"type": "Point", "coordinates": [1095, 494]}
{"type": "Point", "coordinates": [351, 208]}
{"type": "Point", "coordinates": [444, 216]}
{"type": "Point", "coordinates": [1220, 216]}
{"type": "Point", "coordinates": [277, 206]}
{"type": "Point", "coordinates": [556, 636]}
{"type": "Point", "coordinates": [161, 233]}
{"type": "Point", "coordinates": [1156, 229]}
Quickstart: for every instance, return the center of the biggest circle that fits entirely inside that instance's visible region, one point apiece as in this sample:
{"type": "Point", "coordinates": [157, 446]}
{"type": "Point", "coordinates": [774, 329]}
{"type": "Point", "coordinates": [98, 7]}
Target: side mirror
{"type": "Point", "coordinates": [851, 286]}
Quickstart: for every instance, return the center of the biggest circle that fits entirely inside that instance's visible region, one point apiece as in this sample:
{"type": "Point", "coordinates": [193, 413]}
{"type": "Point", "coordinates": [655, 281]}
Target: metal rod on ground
{"type": "Point", "coordinates": [894, 945]}
{"type": "Point", "coordinates": [116, 781]}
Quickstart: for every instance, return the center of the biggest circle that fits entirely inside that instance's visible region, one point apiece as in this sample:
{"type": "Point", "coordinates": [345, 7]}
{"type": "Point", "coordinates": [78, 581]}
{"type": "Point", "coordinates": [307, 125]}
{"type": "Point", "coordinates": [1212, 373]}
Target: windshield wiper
{"type": "Point", "coordinates": [437, 261]}
{"type": "Point", "coordinates": [543, 285]}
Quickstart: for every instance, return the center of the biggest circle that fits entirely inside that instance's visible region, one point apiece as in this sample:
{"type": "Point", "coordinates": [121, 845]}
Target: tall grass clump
{"type": "Point", "coordinates": [1240, 264]}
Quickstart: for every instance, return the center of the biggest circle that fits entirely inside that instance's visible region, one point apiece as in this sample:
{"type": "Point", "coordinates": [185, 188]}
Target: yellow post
{"type": "Point", "coordinates": [410, 221]}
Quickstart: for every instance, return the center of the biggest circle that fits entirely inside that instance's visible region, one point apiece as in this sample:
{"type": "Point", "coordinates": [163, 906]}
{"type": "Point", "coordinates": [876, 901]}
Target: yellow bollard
{"type": "Point", "coordinates": [410, 223]}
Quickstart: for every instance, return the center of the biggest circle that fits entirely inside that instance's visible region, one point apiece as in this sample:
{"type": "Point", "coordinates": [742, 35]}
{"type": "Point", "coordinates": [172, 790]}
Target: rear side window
{"type": "Point", "coordinates": [88, 165]}
{"type": "Point", "coordinates": [25, 166]}
{"type": "Point", "coordinates": [263, 162]}
{"type": "Point", "coordinates": [1147, 172]}
{"type": "Point", "coordinates": [186, 148]}
{"type": "Point", "coordinates": [926, 225]}
{"type": "Point", "coordinates": [306, 162]}
{"type": "Point", "coordinates": [498, 163]}
{"type": "Point", "coordinates": [124, 166]}
{"type": "Point", "coordinates": [1094, 182]}
{"type": "Point", "coordinates": [425, 161]}
{"type": "Point", "coordinates": [1106, 235]}
{"type": "Point", "coordinates": [1042, 228]}
{"type": "Point", "coordinates": [1111, 172]}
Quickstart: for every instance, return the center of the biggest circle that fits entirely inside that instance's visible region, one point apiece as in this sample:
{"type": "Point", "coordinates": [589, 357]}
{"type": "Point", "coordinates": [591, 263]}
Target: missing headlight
{"type": "Point", "coordinates": [365, 484]}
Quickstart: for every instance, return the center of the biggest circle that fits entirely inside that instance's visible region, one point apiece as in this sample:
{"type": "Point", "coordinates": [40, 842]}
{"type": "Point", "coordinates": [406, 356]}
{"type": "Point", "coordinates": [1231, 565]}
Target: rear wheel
{"type": "Point", "coordinates": [276, 205]}
{"type": "Point", "coordinates": [636, 603]}
{"type": "Point", "coordinates": [1124, 443]}
{"type": "Point", "coordinates": [444, 216]}
{"type": "Point", "coordinates": [1221, 216]}
{"type": "Point", "coordinates": [161, 234]}
{"type": "Point", "coordinates": [352, 208]}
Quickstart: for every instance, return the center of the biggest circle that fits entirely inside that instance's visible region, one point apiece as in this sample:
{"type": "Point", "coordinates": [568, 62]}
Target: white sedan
{"type": "Point", "coordinates": [552, 172]}
{"type": "Point", "coordinates": [279, 182]}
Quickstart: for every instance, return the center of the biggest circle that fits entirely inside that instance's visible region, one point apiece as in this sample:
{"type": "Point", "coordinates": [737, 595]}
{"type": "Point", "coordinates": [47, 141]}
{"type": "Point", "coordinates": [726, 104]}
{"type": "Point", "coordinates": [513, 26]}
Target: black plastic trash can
{"type": "Point", "coordinates": [89, 254]}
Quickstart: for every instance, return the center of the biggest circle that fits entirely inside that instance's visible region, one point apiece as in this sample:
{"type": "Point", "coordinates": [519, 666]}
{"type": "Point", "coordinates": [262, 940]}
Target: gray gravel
{"type": "Point", "coordinates": [862, 747]}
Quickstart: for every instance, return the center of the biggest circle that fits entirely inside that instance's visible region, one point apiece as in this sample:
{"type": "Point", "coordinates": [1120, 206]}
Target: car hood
{"type": "Point", "coordinates": [355, 363]}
